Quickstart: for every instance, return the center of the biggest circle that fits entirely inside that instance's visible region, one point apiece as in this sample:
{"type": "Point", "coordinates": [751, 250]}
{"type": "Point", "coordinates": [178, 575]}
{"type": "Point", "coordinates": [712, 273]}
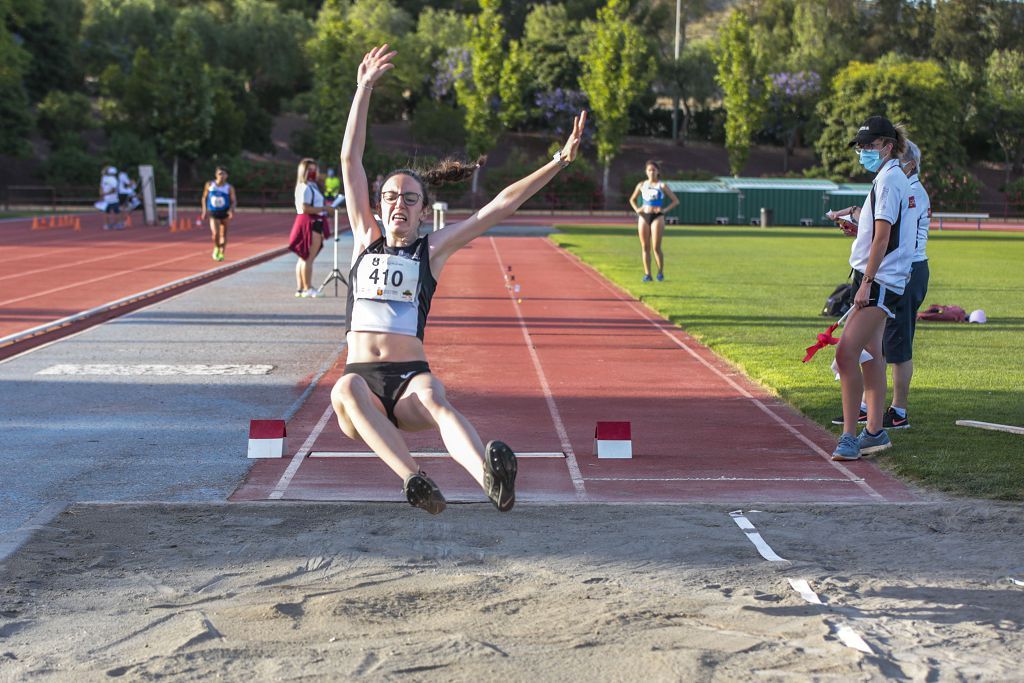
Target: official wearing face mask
{"type": "Point", "coordinates": [880, 258]}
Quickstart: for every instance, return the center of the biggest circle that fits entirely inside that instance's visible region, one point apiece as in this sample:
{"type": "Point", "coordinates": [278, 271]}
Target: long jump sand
{"type": "Point", "coordinates": [545, 593]}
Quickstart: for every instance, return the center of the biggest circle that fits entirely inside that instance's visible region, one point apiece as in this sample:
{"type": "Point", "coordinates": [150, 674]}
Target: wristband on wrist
{"type": "Point", "coordinates": [365, 87]}
{"type": "Point", "coordinates": [562, 162]}
{"type": "Point", "coordinates": [868, 278]}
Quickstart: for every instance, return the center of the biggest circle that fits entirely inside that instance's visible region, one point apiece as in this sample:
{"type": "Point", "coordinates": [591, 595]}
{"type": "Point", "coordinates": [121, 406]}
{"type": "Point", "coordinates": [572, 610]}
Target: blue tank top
{"type": "Point", "coordinates": [652, 194]}
{"type": "Point", "coordinates": [219, 197]}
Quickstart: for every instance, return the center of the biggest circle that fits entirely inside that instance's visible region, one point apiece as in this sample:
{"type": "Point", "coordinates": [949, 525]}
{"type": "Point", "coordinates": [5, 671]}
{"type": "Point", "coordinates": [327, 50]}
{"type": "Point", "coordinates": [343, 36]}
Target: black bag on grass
{"type": "Point", "coordinates": [839, 301]}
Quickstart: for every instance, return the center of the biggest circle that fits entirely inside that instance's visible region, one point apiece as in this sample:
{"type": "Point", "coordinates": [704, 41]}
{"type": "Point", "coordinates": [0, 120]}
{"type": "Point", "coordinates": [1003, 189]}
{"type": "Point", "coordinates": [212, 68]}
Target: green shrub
{"type": "Point", "coordinates": [951, 189]}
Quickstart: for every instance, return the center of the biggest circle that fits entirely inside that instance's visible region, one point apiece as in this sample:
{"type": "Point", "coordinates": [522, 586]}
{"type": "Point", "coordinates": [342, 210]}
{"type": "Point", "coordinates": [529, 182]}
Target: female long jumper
{"type": "Point", "coordinates": [388, 387]}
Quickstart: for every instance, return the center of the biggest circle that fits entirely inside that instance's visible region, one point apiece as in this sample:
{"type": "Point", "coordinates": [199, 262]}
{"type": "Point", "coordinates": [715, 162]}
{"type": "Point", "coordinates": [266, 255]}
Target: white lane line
{"type": "Point", "coordinates": [17, 538]}
{"type": "Point", "coordinates": [155, 370]}
{"type": "Point", "coordinates": [420, 454]}
{"type": "Point", "coordinates": [661, 326]}
{"type": "Point", "coordinates": [563, 436]}
{"type": "Point", "coordinates": [847, 636]}
{"type": "Point", "coordinates": [327, 365]}
{"type": "Point", "coordinates": [293, 466]}
{"type": "Point", "coordinates": [840, 480]}
{"type": "Point", "coordinates": [752, 534]}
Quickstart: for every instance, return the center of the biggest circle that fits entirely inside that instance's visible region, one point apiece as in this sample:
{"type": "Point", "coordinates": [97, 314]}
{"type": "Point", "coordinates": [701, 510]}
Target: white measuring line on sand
{"type": "Point", "coordinates": [843, 631]}
{"type": "Point", "coordinates": [155, 370]}
{"type": "Point", "coordinates": [563, 436]}
{"type": "Point", "coordinates": [661, 325]}
{"type": "Point", "coordinates": [293, 466]}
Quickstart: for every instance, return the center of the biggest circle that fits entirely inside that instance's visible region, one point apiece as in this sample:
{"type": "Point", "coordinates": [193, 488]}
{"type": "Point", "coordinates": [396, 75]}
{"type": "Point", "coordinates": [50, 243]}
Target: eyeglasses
{"type": "Point", "coordinates": [410, 198]}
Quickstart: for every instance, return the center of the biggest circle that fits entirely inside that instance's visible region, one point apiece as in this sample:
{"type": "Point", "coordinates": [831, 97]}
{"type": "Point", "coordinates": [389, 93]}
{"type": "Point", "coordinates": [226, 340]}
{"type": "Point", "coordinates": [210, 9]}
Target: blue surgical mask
{"type": "Point", "coordinates": [870, 159]}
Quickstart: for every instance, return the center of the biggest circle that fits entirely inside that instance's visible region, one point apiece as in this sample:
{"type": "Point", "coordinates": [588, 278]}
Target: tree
{"type": "Point", "coordinates": [791, 101]}
{"type": "Point", "coordinates": [745, 87]}
{"type": "Point", "coordinates": [914, 93]}
{"type": "Point", "coordinates": [959, 27]}
{"type": "Point", "coordinates": [555, 45]}
{"type": "Point", "coordinates": [1004, 104]}
{"type": "Point", "coordinates": [15, 115]}
{"type": "Point", "coordinates": [479, 93]}
{"type": "Point", "coordinates": [613, 77]}
{"type": "Point", "coordinates": [512, 86]}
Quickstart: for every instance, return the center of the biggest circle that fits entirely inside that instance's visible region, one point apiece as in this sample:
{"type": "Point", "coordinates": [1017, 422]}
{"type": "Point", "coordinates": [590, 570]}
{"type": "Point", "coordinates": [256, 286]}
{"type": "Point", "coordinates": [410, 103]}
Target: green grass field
{"type": "Point", "coordinates": [754, 297]}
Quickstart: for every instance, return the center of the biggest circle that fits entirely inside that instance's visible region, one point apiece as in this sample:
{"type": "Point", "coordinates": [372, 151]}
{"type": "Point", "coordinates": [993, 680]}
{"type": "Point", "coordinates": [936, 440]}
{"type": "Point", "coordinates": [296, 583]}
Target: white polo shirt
{"type": "Point", "coordinates": [891, 193]}
{"type": "Point", "coordinates": [920, 207]}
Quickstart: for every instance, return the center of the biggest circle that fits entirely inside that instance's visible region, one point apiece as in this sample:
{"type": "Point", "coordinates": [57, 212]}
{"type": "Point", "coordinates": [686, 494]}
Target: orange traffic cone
{"type": "Point", "coordinates": [35, 222]}
{"type": "Point", "coordinates": [78, 224]}
{"type": "Point", "coordinates": [128, 221]}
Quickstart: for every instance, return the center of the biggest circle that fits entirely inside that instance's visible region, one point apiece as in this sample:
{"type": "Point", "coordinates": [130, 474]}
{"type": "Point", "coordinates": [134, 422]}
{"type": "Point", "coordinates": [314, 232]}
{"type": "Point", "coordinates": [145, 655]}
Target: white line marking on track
{"type": "Point", "coordinates": [156, 370]}
{"type": "Point", "coordinates": [661, 326]}
{"type": "Point", "coordinates": [293, 466]}
{"type": "Point", "coordinates": [563, 436]}
{"type": "Point", "coordinates": [419, 454]}
{"type": "Point", "coordinates": [754, 537]}
{"type": "Point", "coordinates": [17, 538]}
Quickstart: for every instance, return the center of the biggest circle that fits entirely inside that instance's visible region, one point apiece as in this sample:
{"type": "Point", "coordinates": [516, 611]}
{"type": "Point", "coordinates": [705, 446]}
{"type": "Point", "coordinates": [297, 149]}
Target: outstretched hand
{"type": "Point", "coordinates": [375, 64]}
{"type": "Point", "coordinates": [572, 145]}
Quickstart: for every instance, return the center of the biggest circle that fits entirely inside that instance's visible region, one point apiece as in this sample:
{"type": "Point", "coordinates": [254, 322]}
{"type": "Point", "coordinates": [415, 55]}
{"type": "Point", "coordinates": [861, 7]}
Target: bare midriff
{"type": "Point", "coordinates": [380, 347]}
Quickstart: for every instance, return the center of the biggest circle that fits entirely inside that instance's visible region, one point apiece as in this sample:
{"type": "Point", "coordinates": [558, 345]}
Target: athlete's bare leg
{"type": "Point", "coordinates": [361, 416]}
{"type": "Point", "coordinates": [644, 231]}
{"type": "Point", "coordinates": [424, 405]}
{"type": "Point", "coordinates": [657, 230]}
{"type": "Point", "coordinates": [863, 330]}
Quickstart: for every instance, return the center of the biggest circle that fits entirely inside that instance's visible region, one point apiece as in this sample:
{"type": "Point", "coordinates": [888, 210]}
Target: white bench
{"type": "Point", "coordinates": [979, 217]}
{"type": "Point", "coordinates": [172, 208]}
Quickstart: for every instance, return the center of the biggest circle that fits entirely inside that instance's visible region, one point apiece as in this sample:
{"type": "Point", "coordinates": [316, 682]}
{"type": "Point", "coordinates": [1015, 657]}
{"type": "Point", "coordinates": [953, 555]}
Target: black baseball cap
{"type": "Point", "coordinates": [875, 127]}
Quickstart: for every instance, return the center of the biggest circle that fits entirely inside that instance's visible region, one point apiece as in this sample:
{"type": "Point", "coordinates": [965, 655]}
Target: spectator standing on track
{"type": "Point", "coordinates": [219, 202]}
{"type": "Point", "coordinates": [387, 385]}
{"type": "Point", "coordinates": [651, 217]}
{"type": "Point", "coordinates": [880, 257]}
{"type": "Point", "coordinates": [332, 185]}
{"type": "Point", "coordinates": [109, 200]}
{"type": "Point", "coordinates": [310, 228]}
{"type": "Point", "coordinates": [898, 340]}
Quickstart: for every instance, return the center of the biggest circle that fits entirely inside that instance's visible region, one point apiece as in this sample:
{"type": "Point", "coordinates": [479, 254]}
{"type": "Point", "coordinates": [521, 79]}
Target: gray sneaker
{"type": "Point", "coordinates": [847, 449]}
{"type": "Point", "coordinates": [873, 444]}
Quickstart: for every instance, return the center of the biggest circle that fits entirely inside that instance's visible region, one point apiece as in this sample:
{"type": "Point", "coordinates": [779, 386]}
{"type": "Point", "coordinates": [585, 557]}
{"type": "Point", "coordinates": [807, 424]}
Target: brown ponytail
{"type": "Point", "coordinates": [444, 172]}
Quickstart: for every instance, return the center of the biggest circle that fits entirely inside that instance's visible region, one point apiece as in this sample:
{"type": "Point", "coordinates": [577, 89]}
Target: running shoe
{"type": "Point", "coordinates": [873, 443]}
{"type": "Point", "coordinates": [299, 293]}
{"type": "Point", "coordinates": [422, 492]}
{"type": "Point", "coordinates": [892, 420]}
{"type": "Point", "coordinates": [500, 475]}
{"type": "Point", "coordinates": [216, 254]}
{"type": "Point", "coordinates": [311, 294]}
{"type": "Point", "coordinates": [847, 448]}
{"type": "Point", "coordinates": [660, 277]}
{"type": "Point", "coordinates": [862, 418]}
{"type": "Point", "coordinates": [647, 278]}
{"type": "Point", "coordinates": [220, 254]}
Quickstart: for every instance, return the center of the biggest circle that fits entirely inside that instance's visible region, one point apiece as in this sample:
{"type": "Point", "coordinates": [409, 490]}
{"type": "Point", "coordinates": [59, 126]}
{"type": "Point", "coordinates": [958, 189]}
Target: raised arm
{"type": "Point", "coordinates": [375, 64]}
{"type": "Point", "coordinates": [448, 240]}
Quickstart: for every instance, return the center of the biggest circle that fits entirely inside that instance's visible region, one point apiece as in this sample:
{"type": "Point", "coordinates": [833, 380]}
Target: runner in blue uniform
{"type": "Point", "coordinates": [388, 387]}
{"type": "Point", "coordinates": [219, 203]}
{"type": "Point", "coordinates": [651, 217]}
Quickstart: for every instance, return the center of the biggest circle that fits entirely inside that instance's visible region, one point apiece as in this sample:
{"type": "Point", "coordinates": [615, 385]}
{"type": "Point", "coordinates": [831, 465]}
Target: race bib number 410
{"type": "Point", "coordinates": [386, 277]}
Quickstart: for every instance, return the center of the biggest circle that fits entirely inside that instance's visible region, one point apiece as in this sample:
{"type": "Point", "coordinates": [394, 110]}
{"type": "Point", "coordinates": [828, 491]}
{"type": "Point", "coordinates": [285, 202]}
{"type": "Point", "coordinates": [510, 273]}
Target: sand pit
{"type": "Point", "coordinates": [546, 593]}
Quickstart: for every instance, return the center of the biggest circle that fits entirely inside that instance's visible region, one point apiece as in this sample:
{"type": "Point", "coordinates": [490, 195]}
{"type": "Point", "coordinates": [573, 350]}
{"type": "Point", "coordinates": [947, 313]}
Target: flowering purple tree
{"type": "Point", "coordinates": [791, 104]}
{"type": "Point", "coordinates": [558, 106]}
{"type": "Point", "coordinates": [449, 69]}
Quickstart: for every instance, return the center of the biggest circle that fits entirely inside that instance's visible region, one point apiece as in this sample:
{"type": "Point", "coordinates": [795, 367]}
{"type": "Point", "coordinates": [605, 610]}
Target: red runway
{"type": "Point", "coordinates": [49, 274]}
{"type": "Point", "coordinates": [539, 374]}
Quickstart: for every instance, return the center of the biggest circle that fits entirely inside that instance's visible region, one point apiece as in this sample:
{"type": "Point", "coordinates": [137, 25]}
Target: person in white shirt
{"type": "Point", "coordinates": [310, 228]}
{"type": "Point", "coordinates": [880, 258]}
{"type": "Point", "coordinates": [109, 200]}
{"type": "Point", "coordinates": [898, 339]}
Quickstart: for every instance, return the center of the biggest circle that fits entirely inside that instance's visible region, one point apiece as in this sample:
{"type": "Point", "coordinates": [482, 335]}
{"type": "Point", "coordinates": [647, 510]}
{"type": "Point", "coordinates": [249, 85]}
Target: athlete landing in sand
{"type": "Point", "coordinates": [388, 387]}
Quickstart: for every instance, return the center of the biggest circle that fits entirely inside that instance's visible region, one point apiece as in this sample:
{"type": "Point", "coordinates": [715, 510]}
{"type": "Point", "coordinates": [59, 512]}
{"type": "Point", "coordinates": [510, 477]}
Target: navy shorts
{"type": "Point", "coordinates": [113, 207]}
{"type": "Point", "coordinates": [388, 381]}
{"type": "Point", "coordinates": [220, 214]}
{"type": "Point", "coordinates": [898, 341]}
{"type": "Point", "coordinates": [881, 295]}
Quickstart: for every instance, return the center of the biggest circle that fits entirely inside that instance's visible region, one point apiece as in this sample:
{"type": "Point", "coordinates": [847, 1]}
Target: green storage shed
{"type": "Point", "coordinates": [791, 201]}
{"type": "Point", "coordinates": [705, 202]}
{"type": "Point", "coordinates": [848, 194]}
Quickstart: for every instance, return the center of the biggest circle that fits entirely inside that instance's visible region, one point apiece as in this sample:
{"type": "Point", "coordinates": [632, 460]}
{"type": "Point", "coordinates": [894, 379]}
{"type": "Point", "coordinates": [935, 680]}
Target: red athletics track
{"type": "Point", "coordinates": [49, 274]}
{"type": "Point", "coordinates": [701, 431]}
